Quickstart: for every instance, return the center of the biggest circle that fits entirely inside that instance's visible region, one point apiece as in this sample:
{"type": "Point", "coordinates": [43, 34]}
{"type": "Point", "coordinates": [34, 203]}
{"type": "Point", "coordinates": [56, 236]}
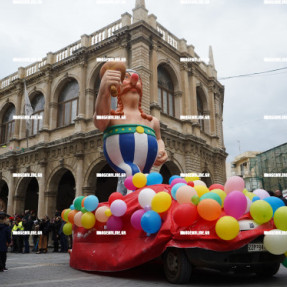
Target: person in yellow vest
{"type": "Point", "coordinates": [17, 238]}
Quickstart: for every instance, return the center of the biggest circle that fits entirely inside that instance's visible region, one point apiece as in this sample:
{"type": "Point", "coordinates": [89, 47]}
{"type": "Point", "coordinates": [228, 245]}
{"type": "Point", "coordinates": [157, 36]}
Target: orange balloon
{"type": "Point", "coordinates": [62, 214]}
{"type": "Point", "coordinates": [83, 200]}
{"type": "Point", "coordinates": [209, 209]}
{"type": "Point", "coordinates": [71, 215]}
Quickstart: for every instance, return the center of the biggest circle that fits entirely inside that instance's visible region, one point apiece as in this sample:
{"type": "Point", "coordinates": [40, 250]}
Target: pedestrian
{"type": "Point", "coordinates": [63, 238]}
{"type": "Point", "coordinates": [17, 238]}
{"type": "Point", "coordinates": [56, 226]}
{"type": "Point", "coordinates": [5, 240]}
{"type": "Point", "coordinates": [278, 193]}
{"type": "Point", "coordinates": [44, 237]}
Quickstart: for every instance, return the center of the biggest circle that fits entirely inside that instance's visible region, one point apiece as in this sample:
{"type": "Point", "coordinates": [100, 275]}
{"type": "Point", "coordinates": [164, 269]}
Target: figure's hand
{"type": "Point", "coordinates": [161, 158]}
{"type": "Point", "coordinates": [110, 78]}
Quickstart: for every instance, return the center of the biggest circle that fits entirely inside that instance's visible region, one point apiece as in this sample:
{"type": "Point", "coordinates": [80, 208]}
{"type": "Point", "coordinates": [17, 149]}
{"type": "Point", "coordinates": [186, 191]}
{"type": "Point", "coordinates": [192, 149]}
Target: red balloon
{"type": "Point", "coordinates": [114, 196]}
{"type": "Point", "coordinates": [216, 186]}
{"type": "Point", "coordinates": [190, 183]}
{"type": "Point", "coordinates": [185, 214]}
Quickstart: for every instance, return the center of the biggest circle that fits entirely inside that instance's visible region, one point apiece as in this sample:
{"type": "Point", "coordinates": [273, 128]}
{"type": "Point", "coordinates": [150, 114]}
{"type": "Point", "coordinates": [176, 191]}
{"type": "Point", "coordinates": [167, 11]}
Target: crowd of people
{"type": "Point", "coordinates": [26, 233]}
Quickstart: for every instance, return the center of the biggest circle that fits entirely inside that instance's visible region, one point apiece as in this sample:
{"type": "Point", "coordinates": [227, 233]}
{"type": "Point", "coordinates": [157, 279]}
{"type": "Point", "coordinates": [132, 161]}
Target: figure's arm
{"type": "Point", "coordinates": [161, 155]}
{"type": "Point", "coordinates": [103, 101]}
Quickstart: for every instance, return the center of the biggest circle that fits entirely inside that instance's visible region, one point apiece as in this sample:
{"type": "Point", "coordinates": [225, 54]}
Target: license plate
{"type": "Point", "coordinates": [255, 247]}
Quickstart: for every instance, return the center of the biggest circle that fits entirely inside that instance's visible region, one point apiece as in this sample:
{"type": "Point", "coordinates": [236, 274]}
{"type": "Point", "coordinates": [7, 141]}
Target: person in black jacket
{"type": "Point", "coordinates": [56, 226]}
{"type": "Point", "coordinates": [5, 240]}
{"type": "Point", "coordinates": [45, 228]}
{"type": "Point", "coordinates": [278, 193]}
{"type": "Point", "coordinates": [27, 224]}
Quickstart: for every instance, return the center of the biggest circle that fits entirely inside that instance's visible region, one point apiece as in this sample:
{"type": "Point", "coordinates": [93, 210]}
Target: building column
{"type": "Point", "coordinates": [50, 202]}
{"type": "Point", "coordinates": [18, 112]}
{"type": "Point", "coordinates": [42, 187]}
{"type": "Point", "coordinates": [79, 174]}
{"type": "Point", "coordinates": [47, 103]}
{"type": "Point", "coordinates": [212, 111]}
{"type": "Point", "coordinates": [82, 96]}
{"type": "Point", "coordinates": [11, 192]}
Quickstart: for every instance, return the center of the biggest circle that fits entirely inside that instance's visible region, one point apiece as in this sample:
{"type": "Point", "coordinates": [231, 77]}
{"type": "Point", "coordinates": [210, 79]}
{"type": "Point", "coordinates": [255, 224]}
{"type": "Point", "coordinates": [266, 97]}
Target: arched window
{"type": "Point", "coordinates": [37, 103]}
{"type": "Point", "coordinates": [165, 91]}
{"type": "Point", "coordinates": [68, 103]}
{"type": "Point", "coordinates": [200, 112]}
{"type": "Point", "coordinates": [8, 125]}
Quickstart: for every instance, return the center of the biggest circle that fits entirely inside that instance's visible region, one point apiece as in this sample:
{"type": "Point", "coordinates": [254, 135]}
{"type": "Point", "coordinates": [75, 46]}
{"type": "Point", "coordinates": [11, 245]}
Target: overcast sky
{"type": "Point", "coordinates": [241, 32]}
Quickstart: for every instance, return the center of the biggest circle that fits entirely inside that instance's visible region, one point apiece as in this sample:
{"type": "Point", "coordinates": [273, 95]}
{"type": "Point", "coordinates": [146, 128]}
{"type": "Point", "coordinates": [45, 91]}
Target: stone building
{"type": "Point", "coordinates": [66, 149]}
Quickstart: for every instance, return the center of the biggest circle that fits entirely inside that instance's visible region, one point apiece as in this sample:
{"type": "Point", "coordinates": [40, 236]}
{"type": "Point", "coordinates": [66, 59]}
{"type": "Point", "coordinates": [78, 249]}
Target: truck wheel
{"type": "Point", "coordinates": [267, 270]}
{"type": "Point", "coordinates": [177, 268]}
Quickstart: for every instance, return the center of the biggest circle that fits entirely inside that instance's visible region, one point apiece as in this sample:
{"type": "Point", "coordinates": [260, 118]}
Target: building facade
{"type": "Point", "coordinates": [65, 151]}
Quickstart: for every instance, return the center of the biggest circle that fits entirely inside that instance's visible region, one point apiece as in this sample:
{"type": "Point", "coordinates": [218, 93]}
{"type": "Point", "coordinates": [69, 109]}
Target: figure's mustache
{"type": "Point", "coordinates": [131, 88]}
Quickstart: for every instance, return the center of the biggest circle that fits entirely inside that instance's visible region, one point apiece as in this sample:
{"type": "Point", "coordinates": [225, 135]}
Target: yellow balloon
{"type": "Point", "coordinates": [250, 195]}
{"type": "Point", "coordinates": [66, 213]}
{"type": "Point", "coordinates": [227, 228]}
{"type": "Point", "coordinates": [261, 211]}
{"type": "Point", "coordinates": [67, 228]}
{"type": "Point", "coordinates": [108, 212]}
{"type": "Point", "coordinates": [245, 191]}
{"type": "Point", "coordinates": [221, 193]}
{"type": "Point", "coordinates": [139, 180]}
{"type": "Point", "coordinates": [285, 254]}
{"type": "Point", "coordinates": [280, 218]}
{"type": "Point", "coordinates": [161, 202]}
{"type": "Point", "coordinates": [201, 190]}
{"type": "Point", "coordinates": [88, 220]}
{"type": "Point", "coordinates": [191, 178]}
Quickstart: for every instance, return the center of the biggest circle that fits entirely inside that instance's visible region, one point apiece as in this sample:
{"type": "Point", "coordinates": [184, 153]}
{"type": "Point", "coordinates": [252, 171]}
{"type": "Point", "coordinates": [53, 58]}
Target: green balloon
{"type": "Point", "coordinates": [67, 228]}
{"type": "Point", "coordinates": [212, 195]}
{"type": "Point", "coordinates": [84, 210]}
{"type": "Point", "coordinates": [78, 202]}
{"type": "Point", "coordinates": [195, 200]}
{"type": "Point", "coordinates": [284, 263]}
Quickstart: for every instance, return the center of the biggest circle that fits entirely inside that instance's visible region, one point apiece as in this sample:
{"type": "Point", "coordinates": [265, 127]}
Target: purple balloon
{"type": "Point", "coordinates": [118, 207]}
{"type": "Point", "coordinates": [136, 219]}
{"type": "Point", "coordinates": [177, 180]}
{"type": "Point", "coordinates": [114, 223]}
{"type": "Point", "coordinates": [235, 204]}
{"type": "Point", "coordinates": [129, 183]}
{"type": "Point", "coordinates": [261, 193]}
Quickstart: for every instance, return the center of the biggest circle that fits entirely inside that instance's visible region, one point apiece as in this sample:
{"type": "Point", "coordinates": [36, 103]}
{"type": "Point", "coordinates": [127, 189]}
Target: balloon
{"type": "Point", "coordinates": [175, 188]}
{"type": "Point", "coordinates": [145, 197]}
{"type": "Point", "coordinates": [84, 210]}
{"type": "Point", "coordinates": [154, 178]}
{"type": "Point", "coordinates": [72, 207]}
{"type": "Point", "coordinates": [184, 194]}
{"type": "Point", "coordinates": [255, 198]}
{"type": "Point", "coordinates": [71, 215]}
{"type": "Point", "coordinates": [139, 180]}
{"type": "Point", "coordinates": [261, 211]}
{"type": "Point", "coordinates": [151, 222]}
{"type": "Point", "coordinates": [88, 220]}
{"type": "Point", "coordinates": [136, 219]}
{"type": "Point", "coordinates": [209, 209]}
{"type": "Point", "coordinates": [178, 180]}
{"type": "Point", "coordinates": [261, 193]}
{"type": "Point", "coordinates": [65, 214]}
{"type": "Point", "coordinates": [91, 203]}
{"type": "Point", "coordinates": [235, 204]}
{"type": "Point", "coordinates": [172, 178]}
{"type": "Point", "coordinates": [275, 243]}
{"type": "Point", "coordinates": [129, 183]}
{"type": "Point", "coordinates": [199, 182]}
{"type": "Point", "coordinates": [250, 195]}
{"type": "Point", "coordinates": [216, 186]}
{"type": "Point", "coordinates": [190, 183]}
{"type": "Point", "coordinates": [114, 223]}
{"type": "Point", "coordinates": [68, 228]}
{"type": "Point", "coordinates": [227, 228]}
{"type": "Point", "coordinates": [114, 196]}
{"type": "Point", "coordinates": [100, 214]}
{"type": "Point", "coordinates": [275, 203]}
{"type": "Point", "coordinates": [184, 214]}
{"type": "Point", "coordinates": [280, 218]}
{"type": "Point", "coordinates": [222, 195]}
{"type": "Point", "coordinates": [161, 202]}
{"type": "Point", "coordinates": [284, 263]}
{"type": "Point", "coordinates": [118, 207]}
{"type": "Point", "coordinates": [195, 199]}
{"type": "Point", "coordinates": [83, 201]}
{"type": "Point", "coordinates": [212, 195]}
{"type": "Point", "coordinates": [78, 202]}
{"type": "Point", "coordinates": [201, 190]}
{"type": "Point", "coordinates": [78, 218]}
{"type": "Point", "coordinates": [234, 183]}
{"type": "Point", "coordinates": [108, 212]}
{"type": "Point", "coordinates": [191, 178]}
{"type": "Point", "coordinates": [249, 202]}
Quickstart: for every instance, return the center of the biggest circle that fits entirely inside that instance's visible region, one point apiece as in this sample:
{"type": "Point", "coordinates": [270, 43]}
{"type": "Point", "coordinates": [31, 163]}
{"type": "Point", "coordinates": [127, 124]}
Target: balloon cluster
{"type": "Point", "coordinates": [140, 180]}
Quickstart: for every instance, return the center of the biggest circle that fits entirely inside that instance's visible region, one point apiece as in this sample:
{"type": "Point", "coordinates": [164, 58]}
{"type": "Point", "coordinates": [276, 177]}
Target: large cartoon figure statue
{"type": "Point", "coordinates": [132, 141]}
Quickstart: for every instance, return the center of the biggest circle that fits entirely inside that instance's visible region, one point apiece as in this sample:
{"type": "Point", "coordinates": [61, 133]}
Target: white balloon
{"type": "Point", "coordinates": [249, 202]}
{"type": "Point", "coordinates": [145, 197]}
{"type": "Point", "coordinates": [261, 193]}
{"type": "Point", "coordinates": [199, 182]}
{"type": "Point", "coordinates": [275, 241]}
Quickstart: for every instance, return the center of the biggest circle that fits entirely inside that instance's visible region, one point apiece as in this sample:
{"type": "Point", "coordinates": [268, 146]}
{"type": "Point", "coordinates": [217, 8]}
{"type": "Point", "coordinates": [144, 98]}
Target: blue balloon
{"type": "Point", "coordinates": [91, 202]}
{"type": "Point", "coordinates": [72, 207]}
{"type": "Point", "coordinates": [172, 178]}
{"type": "Point", "coordinates": [275, 202]}
{"type": "Point", "coordinates": [255, 198]}
{"type": "Point", "coordinates": [151, 222]}
{"type": "Point", "coordinates": [154, 178]}
{"type": "Point", "coordinates": [175, 188]}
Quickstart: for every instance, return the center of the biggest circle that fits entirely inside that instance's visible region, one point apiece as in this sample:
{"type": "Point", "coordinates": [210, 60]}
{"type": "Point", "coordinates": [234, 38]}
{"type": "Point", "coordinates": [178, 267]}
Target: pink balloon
{"type": "Point", "coordinates": [129, 183]}
{"type": "Point", "coordinates": [235, 204]}
{"type": "Point", "coordinates": [114, 223]}
{"type": "Point", "coordinates": [261, 193]}
{"type": "Point", "coordinates": [178, 180]}
{"type": "Point", "coordinates": [136, 219]}
{"type": "Point", "coordinates": [118, 207]}
{"type": "Point", "coordinates": [77, 219]}
{"type": "Point", "coordinates": [234, 183]}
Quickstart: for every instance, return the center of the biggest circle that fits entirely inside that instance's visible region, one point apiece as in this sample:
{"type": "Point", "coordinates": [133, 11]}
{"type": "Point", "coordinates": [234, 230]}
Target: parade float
{"type": "Point", "coordinates": [184, 222]}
